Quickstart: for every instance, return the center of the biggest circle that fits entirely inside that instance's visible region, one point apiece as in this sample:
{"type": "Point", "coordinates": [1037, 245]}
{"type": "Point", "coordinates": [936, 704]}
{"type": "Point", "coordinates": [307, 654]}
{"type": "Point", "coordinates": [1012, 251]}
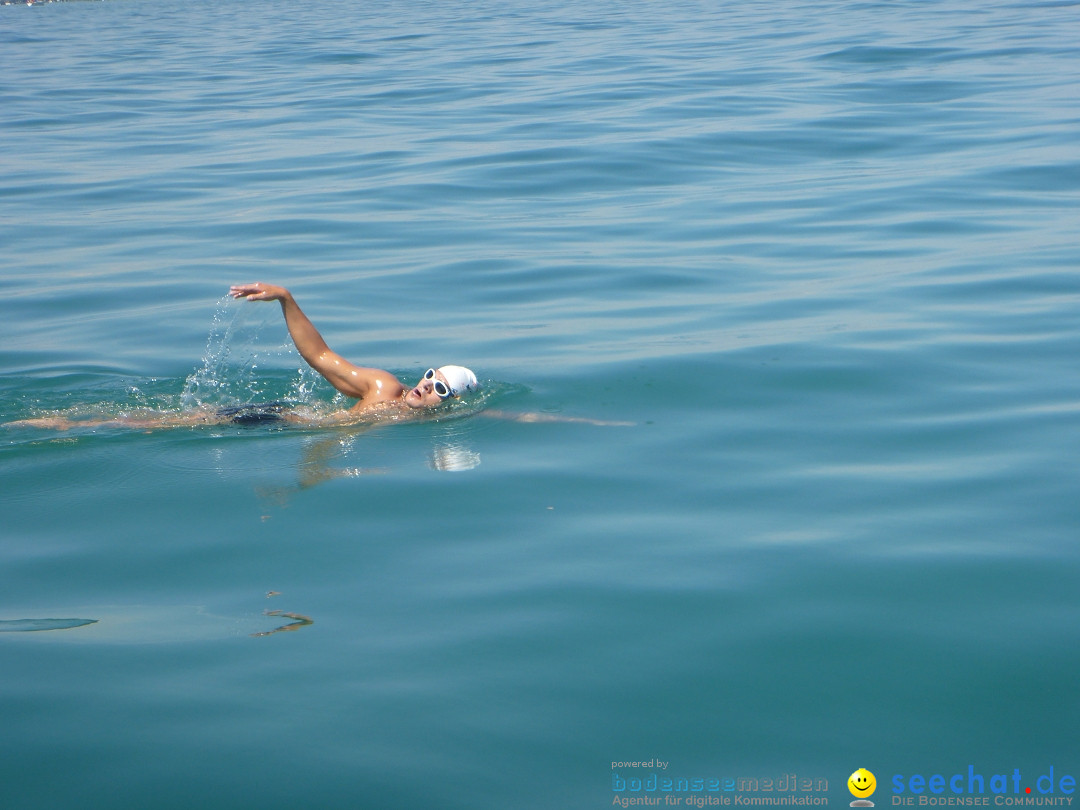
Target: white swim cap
{"type": "Point", "coordinates": [459, 378]}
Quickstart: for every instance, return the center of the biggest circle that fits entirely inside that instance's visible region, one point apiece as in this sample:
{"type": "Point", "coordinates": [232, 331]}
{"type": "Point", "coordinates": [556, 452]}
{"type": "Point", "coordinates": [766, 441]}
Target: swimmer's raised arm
{"type": "Point", "coordinates": [368, 384]}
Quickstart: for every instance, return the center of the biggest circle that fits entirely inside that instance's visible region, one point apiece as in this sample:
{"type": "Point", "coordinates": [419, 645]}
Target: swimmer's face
{"type": "Point", "coordinates": [424, 394]}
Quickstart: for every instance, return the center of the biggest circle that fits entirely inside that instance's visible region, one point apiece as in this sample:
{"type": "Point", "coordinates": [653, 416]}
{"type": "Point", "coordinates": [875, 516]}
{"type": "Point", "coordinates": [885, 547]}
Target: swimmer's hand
{"type": "Point", "coordinates": [259, 292]}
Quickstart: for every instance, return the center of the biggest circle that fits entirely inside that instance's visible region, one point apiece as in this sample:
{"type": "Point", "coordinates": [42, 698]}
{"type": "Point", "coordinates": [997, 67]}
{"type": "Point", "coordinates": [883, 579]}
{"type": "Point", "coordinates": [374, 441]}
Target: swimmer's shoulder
{"type": "Point", "coordinates": [385, 387]}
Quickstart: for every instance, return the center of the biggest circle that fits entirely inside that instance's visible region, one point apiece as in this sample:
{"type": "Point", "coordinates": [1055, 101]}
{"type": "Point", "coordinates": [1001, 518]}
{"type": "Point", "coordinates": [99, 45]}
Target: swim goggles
{"type": "Point", "coordinates": [441, 388]}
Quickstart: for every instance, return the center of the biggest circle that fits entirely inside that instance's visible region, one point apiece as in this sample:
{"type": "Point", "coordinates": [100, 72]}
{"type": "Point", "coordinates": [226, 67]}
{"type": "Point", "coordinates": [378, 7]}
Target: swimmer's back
{"type": "Point", "coordinates": [255, 413]}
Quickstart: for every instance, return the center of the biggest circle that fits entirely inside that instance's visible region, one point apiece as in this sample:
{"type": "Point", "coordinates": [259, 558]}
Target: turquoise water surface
{"type": "Point", "coordinates": [822, 257]}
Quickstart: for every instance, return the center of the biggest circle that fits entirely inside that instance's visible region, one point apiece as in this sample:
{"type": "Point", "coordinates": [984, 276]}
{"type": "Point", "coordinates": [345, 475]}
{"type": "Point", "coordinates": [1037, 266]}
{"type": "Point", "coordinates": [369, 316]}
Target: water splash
{"type": "Point", "coordinates": [207, 385]}
{"type": "Point", "coordinates": [232, 371]}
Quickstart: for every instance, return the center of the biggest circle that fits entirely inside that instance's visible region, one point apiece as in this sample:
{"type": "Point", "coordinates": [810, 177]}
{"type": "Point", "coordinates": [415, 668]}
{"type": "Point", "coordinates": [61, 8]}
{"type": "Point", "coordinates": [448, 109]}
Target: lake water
{"type": "Point", "coordinates": [823, 256]}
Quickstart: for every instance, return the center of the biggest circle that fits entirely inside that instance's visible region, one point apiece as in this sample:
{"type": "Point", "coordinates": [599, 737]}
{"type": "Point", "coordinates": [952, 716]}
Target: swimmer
{"type": "Point", "coordinates": [378, 393]}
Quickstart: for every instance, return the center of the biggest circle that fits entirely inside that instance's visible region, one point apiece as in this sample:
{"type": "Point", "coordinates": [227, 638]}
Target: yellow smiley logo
{"type": "Point", "coordinates": [861, 783]}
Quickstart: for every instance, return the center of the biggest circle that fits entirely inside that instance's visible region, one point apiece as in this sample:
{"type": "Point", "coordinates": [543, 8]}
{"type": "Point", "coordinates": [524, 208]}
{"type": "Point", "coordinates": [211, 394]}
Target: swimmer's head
{"type": "Point", "coordinates": [460, 379]}
{"type": "Point", "coordinates": [441, 384]}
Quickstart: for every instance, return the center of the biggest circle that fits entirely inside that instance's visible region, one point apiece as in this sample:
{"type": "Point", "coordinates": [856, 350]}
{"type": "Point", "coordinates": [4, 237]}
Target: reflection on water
{"type": "Point", "coordinates": [33, 625]}
{"type": "Point", "coordinates": [453, 458]}
{"type": "Point", "coordinates": [157, 623]}
{"type": "Point", "coordinates": [322, 460]}
{"type": "Point", "coordinates": [300, 621]}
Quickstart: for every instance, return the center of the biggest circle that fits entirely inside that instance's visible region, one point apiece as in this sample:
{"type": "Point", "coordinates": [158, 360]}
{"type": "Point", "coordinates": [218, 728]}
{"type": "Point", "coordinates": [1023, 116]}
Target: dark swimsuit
{"type": "Point", "coordinates": [257, 413]}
